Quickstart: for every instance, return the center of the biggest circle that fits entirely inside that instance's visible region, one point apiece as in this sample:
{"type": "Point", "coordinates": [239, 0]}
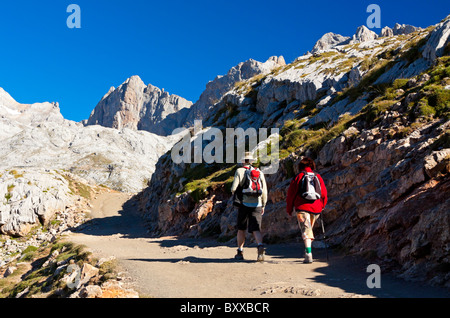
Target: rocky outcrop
{"type": "Point", "coordinates": [387, 32]}
{"type": "Point", "coordinates": [438, 42]}
{"type": "Point", "coordinates": [42, 156]}
{"type": "Point", "coordinates": [68, 272]}
{"type": "Point", "coordinates": [404, 29]}
{"type": "Point", "coordinates": [137, 106]}
{"type": "Point", "coordinates": [15, 116]}
{"type": "Point", "coordinates": [363, 34]}
{"type": "Point", "coordinates": [31, 197]}
{"type": "Point", "coordinates": [328, 41]}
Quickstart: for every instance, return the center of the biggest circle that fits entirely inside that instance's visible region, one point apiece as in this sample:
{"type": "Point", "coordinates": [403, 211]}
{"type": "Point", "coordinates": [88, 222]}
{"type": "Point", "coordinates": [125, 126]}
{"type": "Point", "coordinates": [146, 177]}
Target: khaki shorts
{"type": "Point", "coordinates": [308, 224]}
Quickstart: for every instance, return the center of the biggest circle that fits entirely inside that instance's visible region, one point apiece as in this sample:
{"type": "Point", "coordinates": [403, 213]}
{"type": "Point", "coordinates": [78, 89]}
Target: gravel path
{"type": "Point", "coordinates": [168, 267]}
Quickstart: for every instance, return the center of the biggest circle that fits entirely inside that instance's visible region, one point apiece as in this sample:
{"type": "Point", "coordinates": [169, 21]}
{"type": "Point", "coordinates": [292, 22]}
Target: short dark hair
{"type": "Point", "coordinates": [306, 162]}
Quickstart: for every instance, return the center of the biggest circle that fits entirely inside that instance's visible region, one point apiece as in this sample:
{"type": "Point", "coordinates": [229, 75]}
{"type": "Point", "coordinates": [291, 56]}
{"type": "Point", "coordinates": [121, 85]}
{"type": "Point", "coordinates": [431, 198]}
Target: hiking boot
{"type": "Point", "coordinates": [239, 256]}
{"type": "Point", "coordinates": [261, 251]}
{"type": "Point", "coordinates": [308, 258]}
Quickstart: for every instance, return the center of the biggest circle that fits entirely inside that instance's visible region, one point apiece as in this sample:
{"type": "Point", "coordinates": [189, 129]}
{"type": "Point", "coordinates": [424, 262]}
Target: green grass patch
{"type": "Point", "coordinates": [40, 279]}
{"type": "Point", "coordinates": [299, 140]}
{"type": "Point", "coordinates": [375, 109]}
{"type": "Point", "coordinates": [202, 177]}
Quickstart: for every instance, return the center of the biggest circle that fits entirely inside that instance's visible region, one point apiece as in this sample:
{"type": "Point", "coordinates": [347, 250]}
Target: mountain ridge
{"type": "Point", "coordinates": [117, 114]}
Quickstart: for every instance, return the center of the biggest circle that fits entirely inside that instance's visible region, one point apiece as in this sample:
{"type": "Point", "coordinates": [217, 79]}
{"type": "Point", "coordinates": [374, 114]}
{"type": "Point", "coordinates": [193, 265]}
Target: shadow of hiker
{"type": "Point", "coordinates": [350, 273]}
{"type": "Point", "coordinates": [193, 259]}
{"type": "Point", "coordinates": [168, 242]}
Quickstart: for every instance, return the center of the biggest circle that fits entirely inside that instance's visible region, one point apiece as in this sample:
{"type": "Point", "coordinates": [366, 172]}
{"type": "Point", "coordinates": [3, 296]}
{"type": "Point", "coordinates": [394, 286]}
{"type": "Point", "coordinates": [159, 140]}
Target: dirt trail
{"type": "Point", "coordinates": [192, 268]}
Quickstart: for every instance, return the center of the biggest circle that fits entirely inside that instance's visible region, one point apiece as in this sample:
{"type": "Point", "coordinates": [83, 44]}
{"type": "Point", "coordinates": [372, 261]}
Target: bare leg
{"type": "Point", "coordinates": [307, 235]}
{"type": "Point", "coordinates": [261, 250]}
{"type": "Point", "coordinates": [241, 239]}
{"type": "Point", "coordinates": [258, 237]}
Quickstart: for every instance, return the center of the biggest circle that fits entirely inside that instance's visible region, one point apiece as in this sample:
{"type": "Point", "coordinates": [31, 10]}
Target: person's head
{"type": "Point", "coordinates": [307, 162]}
{"type": "Point", "coordinates": [248, 158]}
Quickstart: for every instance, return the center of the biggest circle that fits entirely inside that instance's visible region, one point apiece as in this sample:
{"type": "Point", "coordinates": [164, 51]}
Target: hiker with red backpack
{"type": "Point", "coordinates": [307, 196]}
{"type": "Point", "coordinates": [250, 196]}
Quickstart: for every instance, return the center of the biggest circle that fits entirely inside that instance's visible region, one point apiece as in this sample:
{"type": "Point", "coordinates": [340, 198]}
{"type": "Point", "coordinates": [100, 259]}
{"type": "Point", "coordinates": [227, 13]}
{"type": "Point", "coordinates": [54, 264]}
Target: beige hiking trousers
{"type": "Point", "coordinates": [306, 222]}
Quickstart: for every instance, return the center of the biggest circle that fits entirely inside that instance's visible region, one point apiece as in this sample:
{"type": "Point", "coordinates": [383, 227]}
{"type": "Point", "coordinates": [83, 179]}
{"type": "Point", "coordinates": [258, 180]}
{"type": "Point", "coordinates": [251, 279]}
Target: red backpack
{"type": "Point", "coordinates": [252, 182]}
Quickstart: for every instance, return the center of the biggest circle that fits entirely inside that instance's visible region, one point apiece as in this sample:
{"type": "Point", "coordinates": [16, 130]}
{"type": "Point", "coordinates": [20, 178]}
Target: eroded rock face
{"type": "Point", "coordinates": [30, 197]}
{"type": "Point", "coordinates": [404, 29]}
{"type": "Point", "coordinates": [439, 39]}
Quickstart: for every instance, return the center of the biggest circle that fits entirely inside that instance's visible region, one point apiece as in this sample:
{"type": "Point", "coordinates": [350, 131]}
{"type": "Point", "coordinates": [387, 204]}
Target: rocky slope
{"type": "Point", "coordinates": [42, 154]}
{"type": "Point", "coordinates": [137, 106]}
{"type": "Point", "coordinates": [217, 88]}
{"type": "Point", "coordinates": [374, 113]}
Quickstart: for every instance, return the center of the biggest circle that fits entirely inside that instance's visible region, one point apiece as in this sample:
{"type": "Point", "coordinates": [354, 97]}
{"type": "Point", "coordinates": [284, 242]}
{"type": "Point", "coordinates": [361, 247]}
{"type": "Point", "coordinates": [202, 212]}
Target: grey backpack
{"type": "Point", "coordinates": [310, 189]}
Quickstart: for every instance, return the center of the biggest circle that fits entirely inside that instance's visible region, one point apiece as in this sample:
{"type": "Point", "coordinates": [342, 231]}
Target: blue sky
{"type": "Point", "coordinates": [173, 44]}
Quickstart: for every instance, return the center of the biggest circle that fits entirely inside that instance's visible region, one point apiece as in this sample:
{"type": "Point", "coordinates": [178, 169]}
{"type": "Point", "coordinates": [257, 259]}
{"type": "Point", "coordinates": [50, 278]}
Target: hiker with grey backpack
{"type": "Point", "coordinates": [307, 197]}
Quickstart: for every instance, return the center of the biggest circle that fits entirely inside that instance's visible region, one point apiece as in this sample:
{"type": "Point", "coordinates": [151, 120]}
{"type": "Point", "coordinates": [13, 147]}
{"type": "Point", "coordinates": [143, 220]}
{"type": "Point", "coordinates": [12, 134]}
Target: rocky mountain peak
{"type": "Point", "coordinates": [363, 34]}
{"type": "Point", "coordinates": [398, 29]}
{"type": "Point", "coordinates": [404, 29]}
{"type": "Point", "coordinates": [279, 60]}
{"type": "Point", "coordinates": [6, 99]}
{"type": "Point", "coordinates": [136, 105]}
{"type": "Point", "coordinates": [329, 40]}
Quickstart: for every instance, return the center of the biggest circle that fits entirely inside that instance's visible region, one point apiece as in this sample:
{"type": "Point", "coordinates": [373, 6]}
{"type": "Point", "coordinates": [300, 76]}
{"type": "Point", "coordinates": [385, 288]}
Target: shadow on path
{"type": "Point", "coordinates": [125, 221]}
